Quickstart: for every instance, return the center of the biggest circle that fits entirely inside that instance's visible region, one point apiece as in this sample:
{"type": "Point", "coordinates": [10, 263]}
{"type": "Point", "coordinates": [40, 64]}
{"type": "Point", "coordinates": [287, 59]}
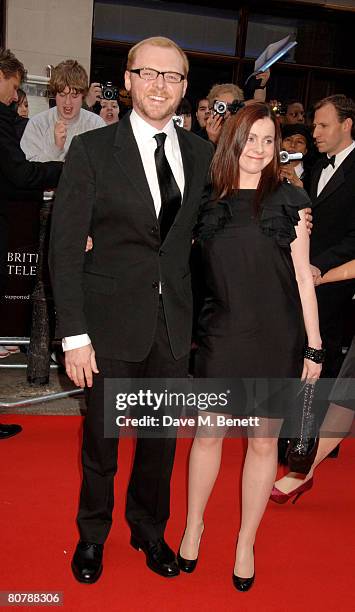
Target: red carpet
{"type": "Point", "coordinates": [304, 553]}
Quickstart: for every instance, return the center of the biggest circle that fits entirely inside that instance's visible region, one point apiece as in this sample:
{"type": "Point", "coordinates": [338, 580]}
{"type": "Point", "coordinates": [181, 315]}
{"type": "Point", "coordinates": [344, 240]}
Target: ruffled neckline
{"type": "Point", "coordinates": [278, 218]}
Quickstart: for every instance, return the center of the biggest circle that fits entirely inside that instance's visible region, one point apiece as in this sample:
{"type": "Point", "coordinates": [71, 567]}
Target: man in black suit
{"type": "Point", "coordinates": [19, 178]}
{"type": "Point", "coordinates": [124, 309]}
{"type": "Point", "coordinates": [333, 235]}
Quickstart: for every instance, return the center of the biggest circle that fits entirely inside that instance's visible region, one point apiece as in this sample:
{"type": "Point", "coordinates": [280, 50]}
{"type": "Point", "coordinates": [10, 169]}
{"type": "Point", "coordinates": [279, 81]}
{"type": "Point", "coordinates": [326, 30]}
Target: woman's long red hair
{"type": "Point", "coordinates": [234, 136]}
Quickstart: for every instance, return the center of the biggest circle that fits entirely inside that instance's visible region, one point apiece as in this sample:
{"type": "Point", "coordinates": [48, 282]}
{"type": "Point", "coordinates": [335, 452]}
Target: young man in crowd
{"type": "Point", "coordinates": [48, 135]}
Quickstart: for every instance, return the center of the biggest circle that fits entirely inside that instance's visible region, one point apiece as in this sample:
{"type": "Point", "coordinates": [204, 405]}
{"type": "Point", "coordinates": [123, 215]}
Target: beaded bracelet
{"type": "Point", "coordinates": [316, 355]}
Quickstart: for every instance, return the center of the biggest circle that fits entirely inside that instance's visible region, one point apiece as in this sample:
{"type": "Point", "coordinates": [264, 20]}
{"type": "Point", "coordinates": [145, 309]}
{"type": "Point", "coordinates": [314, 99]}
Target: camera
{"type": "Point", "coordinates": [279, 109]}
{"type": "Point", "coordinates": [286, 157]}
{"type": "Point", "coordinates": [220, 107]}
{"type": "Point", "coordinates": [179, 120]}
{"type": "Point", "coordinates": [109, 91]}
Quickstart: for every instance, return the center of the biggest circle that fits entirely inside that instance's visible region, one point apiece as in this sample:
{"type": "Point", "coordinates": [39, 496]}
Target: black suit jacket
{"type": "Point", "coordinates": [112, 292]}
{"type": "Point", "coordinates": [333, 234]}
{"type": "Point", "coordinates": [19, 178]}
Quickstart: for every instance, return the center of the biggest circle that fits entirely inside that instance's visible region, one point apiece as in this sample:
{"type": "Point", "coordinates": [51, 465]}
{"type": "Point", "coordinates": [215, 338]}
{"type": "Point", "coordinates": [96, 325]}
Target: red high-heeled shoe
{"type": "Point", "coordinates": [281, 498]}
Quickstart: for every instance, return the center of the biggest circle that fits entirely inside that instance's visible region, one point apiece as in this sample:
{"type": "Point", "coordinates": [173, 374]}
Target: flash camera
{"type": "Point", "coordinates": [220, 107]}
{"type": "Point", "coordinates": [279, 109]}
{"type": "Point", "coordinates": [109, 91]}
{"type": "Point", "coordinates": [179, 120]}
{"type": "Point", "coordinates": [286, 157]}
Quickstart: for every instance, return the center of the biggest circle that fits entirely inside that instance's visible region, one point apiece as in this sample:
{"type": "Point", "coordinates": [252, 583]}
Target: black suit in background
{"type": "Point", "coordinates": [112, 293]}
{"type": "Point", "coordinates": [19, 178]}
{"type": "Point", "coordinates": [332, 244]}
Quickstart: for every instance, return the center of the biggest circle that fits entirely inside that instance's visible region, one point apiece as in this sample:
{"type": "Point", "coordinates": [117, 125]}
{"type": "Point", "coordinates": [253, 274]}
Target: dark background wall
{"type": "Point", "coordinates": [222, 44]}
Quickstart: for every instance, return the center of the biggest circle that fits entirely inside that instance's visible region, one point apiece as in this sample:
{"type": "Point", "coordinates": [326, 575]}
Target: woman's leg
{"type": "Point", "coordinates": [259, 472]}
{"type": "Point", "coordinates": [337, 423]}
{"type": "Point", "coordinates": [204, 464]}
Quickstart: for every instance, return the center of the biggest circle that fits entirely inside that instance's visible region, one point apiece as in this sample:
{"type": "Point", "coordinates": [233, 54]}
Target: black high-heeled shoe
{"type": "Point", "coordinates": [188, 565]}
{"type": "Point", "coordinates": [243, 584]}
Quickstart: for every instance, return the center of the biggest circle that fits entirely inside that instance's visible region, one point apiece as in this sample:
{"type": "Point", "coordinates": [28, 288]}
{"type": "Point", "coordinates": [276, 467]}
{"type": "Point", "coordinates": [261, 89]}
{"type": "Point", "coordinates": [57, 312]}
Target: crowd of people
{"type": "Point", "coordinates": [275, 245]}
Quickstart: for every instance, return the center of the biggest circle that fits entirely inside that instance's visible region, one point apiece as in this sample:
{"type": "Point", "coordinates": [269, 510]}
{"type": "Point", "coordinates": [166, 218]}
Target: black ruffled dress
{"type": "Point", "coordinates": [251, 324]}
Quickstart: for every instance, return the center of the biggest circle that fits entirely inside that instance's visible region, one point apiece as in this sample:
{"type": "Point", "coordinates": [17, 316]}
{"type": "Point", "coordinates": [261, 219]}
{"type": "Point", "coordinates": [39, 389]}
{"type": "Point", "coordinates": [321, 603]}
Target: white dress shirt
{"type": "Point", "coordinates": [328, 172]}
{"type": "Point", "coordinates": [144, 136]}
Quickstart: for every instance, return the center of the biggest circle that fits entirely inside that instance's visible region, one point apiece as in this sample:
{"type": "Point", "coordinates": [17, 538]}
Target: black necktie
{"type": "Point", "coordinates": [328, 160]}
{"type": "Point", "coordinates": [169, 191]}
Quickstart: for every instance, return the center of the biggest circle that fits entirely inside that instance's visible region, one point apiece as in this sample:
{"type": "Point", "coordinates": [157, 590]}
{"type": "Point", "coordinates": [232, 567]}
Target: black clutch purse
{"type": "Point", "coordinates": [301, 451]}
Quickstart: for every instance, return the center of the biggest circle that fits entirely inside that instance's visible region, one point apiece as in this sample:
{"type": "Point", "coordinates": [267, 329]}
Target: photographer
{"type": "Point", "coordinates": [48, 135]}
{"type": "Point", "coordinates": [229, 94]}
{"type": "Point", "coordinates": [296, 138]}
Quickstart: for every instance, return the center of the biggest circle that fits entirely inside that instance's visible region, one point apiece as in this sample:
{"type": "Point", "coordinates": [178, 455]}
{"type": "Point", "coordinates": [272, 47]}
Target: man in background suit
{"type": "Point", "coordinates": [19, 178]}
{"type": "Point", "coordinates": [333, 235]}
{"type": "Point", "coordinates": [124, 309]}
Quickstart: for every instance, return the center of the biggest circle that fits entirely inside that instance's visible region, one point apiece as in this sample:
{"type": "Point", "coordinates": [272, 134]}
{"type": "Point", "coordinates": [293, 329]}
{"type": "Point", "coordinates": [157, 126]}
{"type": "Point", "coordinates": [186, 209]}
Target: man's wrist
{"type": "Point", "coordinates": [73, 342]}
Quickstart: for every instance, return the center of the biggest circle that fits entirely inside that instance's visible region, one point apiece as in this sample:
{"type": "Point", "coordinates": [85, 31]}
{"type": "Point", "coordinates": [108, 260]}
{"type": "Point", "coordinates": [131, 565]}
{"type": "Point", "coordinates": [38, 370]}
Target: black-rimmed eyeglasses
{"type": "Point", "coordinates": [150, 74]}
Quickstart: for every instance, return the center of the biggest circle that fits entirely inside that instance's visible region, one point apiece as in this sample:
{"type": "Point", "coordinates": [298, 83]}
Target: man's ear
{"type": "Point", "coordinates": [347, 123]}
{"type": "Point", "coordinates": [127, 80]}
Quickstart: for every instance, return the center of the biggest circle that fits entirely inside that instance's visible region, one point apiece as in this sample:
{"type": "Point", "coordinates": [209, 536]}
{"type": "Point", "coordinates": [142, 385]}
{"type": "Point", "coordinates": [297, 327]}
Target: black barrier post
{"type": "Point", "coordinates": [39, 353]}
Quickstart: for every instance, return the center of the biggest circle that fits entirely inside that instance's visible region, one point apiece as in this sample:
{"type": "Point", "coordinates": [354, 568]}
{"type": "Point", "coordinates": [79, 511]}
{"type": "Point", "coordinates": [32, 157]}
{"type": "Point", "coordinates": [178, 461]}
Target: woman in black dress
{"type": "Point", "coordinates": [340, 415]}
{"type": "Point", "coordinates": [260, 301]}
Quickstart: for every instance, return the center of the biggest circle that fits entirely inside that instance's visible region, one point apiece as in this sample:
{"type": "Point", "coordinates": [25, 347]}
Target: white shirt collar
{"type": "Point", "coordinates": [299, 169]}
{"type": "Point", "coordinates": [145, 131]}
{"type": "Point", "coordinates": [339, 158]}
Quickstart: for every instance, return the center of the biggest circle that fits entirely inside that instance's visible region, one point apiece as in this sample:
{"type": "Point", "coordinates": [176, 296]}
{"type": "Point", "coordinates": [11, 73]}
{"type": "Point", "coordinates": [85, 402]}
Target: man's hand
{"type": "Point", "coordinates": [309, 219]}
{"type": "Point", "coordinates": [94, 94]}
{"type": "Point", "coordinates": [60, 134]}
{"type": "Point", "coordinates": [316, 273]}
{"type": "Point", "coordinates": [214, 126]}
{"type": "Point", "coordinates": [80, 363]}
{"type": "Point", "coordinates": [89, 244]}
{"type": "Point", "coordinates": [263, 77]}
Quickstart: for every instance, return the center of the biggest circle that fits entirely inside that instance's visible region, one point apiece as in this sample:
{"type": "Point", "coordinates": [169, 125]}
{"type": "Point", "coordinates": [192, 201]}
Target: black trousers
{"type": "Point", "coordinates": [148, 495]}
{"type": "Point", "coordinates": [333, 300]}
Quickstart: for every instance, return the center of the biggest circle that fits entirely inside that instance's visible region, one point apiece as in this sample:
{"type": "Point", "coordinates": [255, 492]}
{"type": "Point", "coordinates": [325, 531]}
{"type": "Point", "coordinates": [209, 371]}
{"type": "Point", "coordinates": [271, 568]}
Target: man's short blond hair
{"type": "Point", "coordinates": [69, 74]}
{"type": "Point", "coordinates": [157, 41]}
{"type": "Point", "coordinates": [224, 88]}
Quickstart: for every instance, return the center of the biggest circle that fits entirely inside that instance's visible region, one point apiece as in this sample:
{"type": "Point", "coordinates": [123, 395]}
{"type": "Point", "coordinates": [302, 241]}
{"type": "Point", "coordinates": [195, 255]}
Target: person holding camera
{"type": "Point", "coordinates": [48, 135]}
{"type": "Point", "coordinates": [225, 99]}
{"type": "Point", "coordinates": [296, 138]}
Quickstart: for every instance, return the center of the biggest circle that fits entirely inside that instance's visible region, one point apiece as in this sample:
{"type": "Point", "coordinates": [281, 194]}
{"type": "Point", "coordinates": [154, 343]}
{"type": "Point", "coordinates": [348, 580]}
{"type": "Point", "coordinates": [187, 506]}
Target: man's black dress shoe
{"type": "Point", "coordinates": [160, 558]}
{"type": "Point", "coordinates": [7, 431]}
{"type": "Point", "coordinates": [87, 562]}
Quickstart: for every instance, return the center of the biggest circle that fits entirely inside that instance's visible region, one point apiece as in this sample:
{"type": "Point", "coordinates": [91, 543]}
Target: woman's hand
{"type": "Point", "coordinates": [288, 172]}
{"type": "Point", "coordinates": [214, 126]}
{"type": "Point", "coordinates": [311, 371]}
